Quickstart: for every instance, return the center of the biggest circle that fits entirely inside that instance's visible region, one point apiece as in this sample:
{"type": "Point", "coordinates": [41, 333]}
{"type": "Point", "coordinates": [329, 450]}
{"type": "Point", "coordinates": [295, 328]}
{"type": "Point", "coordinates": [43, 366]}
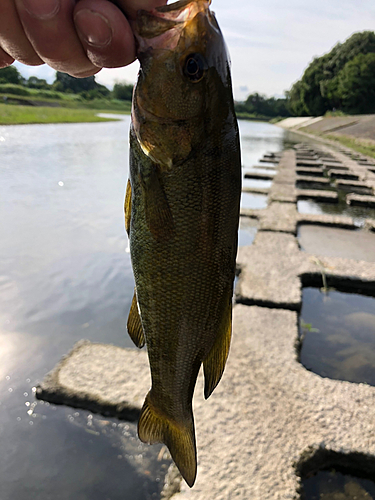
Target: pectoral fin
{"type": "Point", "coordinates": [128, 206]}
{"type": "Point", "coordinates": [158, 213]}
{"type": "Point", "coordinates": [214, 364]}
{"type": "Point", "coordinates": [135, 328]}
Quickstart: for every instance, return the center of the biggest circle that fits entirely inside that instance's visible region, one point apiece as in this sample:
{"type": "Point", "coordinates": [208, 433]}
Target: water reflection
{"type": "Point", "coordinates": [359, 214]}
{"type": "Point", "coordinates": [247, 231]}
{"type": "Point", "coordinates": [256, 183]}
{"type": "Point", "coordinates": [338, 335]}
{"type": "Point", "coordinates": [333, 485]}
{"type": "Point", "coordinates": [254, 201]}
{"type": "Point", "coordinates": [335, 242]}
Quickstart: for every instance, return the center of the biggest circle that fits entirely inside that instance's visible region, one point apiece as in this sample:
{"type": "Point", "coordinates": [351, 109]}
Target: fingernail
{"type": "Point", "coordinates": [42, 9]}
{"type": "Point", "coordinates": [94, 27]}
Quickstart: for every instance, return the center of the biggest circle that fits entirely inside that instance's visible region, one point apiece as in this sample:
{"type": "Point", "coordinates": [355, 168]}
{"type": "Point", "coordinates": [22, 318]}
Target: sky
{"type": "Point", "coordinates": [271, 42]}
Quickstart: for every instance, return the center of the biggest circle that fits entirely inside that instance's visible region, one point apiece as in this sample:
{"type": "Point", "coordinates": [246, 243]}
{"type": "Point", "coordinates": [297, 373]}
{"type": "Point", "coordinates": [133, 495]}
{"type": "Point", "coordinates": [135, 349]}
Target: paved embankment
{"type": "Point", "coordinates": [358, 126]}
{"type": "Point", "coordinates": [268, 409]}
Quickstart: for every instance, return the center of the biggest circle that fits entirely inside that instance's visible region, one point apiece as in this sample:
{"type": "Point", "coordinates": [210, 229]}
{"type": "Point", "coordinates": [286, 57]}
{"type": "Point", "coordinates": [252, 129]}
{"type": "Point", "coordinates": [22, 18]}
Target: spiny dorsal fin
{"type": "Point", "coordinates": [128, 206]}
{"type": "Point", "coordinates": [154, 427]}
{"type": "Point", "coordinates": [134, 325]}
{"type": "Point", "coordinates": [214, 364]}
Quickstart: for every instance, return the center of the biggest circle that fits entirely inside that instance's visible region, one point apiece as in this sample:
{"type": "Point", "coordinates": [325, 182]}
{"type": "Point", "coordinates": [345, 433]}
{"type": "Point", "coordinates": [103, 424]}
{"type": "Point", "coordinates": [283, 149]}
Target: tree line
{"type": "Point", "coordinates": [88, 88]}
{"type": "Point", "coordinates": [341, 80]}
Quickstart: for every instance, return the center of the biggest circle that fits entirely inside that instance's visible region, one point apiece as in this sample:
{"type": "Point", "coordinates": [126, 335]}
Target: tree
{"type": "Point", "coordinates": [123, 91]}
{"type": "Point", "coordinates": [67, 83]}
{"type": "Point", "coordinates": [295, 104]}
{"type": "Point", "coordinates": [11, 75]}
{"type": "Point", "coordinates": [320, 88]}
{"type": "Point", "coordinates": [37, 83]}
{"type": "Point", "coordinates": [356, 84]}
{"type": "Point", "coordinates": [314, 102]}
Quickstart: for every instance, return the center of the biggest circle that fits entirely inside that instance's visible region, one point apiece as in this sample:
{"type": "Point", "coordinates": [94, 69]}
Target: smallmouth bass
{"type": "Point", "coordinates": [181, 214]}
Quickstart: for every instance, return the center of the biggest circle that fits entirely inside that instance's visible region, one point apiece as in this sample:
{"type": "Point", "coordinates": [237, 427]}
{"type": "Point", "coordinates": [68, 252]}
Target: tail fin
{"type": "Point", "coordinates": [153, 427]}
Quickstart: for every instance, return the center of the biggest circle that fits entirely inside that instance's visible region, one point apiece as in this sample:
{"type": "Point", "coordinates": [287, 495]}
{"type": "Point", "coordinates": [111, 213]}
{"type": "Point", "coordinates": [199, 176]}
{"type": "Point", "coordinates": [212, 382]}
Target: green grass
{"type": "Point", "coordinates": [12, 115]}
{"type": "Point", "coordinates": [362, 146]}
{"type": "Point", "coordinates": [31, 98]}
{"type": "Point", "coordinates": [242, 115]}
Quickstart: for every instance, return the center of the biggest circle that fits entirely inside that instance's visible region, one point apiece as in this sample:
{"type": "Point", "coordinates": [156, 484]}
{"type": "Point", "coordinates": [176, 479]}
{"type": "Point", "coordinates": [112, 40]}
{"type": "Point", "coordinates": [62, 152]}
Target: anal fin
{"type": "Point", "coordinates": [214, 363]}
{"type": "Point", "coordinates": [134, 325]}
{"type": "Point", "coordinates": [154, 427]}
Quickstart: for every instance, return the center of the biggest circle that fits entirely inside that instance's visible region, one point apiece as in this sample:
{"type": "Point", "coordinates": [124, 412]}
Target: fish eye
{"type": "Point", "coordinates": [195, 66]}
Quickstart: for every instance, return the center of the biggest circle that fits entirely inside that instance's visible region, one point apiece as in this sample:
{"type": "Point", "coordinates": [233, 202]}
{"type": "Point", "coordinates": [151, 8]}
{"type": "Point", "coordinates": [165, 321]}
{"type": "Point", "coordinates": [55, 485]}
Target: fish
{"type": "Point", "coordinates": [181, 215]}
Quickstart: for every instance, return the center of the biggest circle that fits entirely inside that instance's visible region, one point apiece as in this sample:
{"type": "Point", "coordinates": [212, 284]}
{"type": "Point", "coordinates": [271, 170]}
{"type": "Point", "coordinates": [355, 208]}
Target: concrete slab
{"type": "Point", "coordinates": [255, 190]}
{"type": "Point", "coordinates": [249, 212]}
{"type": "Point", "coordinates": [327, 220]}
{"type": "Point", "coordinates": [267, 410]}
{"type": "Point", "coordinates": [283, 192]}
{"type": "Point", "coordinates": [265, 167]}
{"type": "Point", "coordinates": [331, 162]}
{"type": "Point", "coordinates": [285, 177]}
{"type": "Point", "coordinates": [101, 378]}
{"type": "Point", "coordinates": [313, 180]}
{"type": "Point", "coordinates": [269, 160]}
{"type": "Point", "coordinates": [345, 183]}
{"type": "Point", "coordinates": [310, 194]}
{"type": "Point", "coordinates": [268, 271]}
{"type": "Point", "coordinates": [279, 217]}
{"type": "Point", "coordinates": [360, 200]}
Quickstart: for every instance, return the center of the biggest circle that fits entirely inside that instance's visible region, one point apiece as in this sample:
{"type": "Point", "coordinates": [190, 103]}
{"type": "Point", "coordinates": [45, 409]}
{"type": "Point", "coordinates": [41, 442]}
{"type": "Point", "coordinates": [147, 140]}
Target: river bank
{"type": "Point", "coordinates": [21, 115]}
{"type": "Point", "coordinates": [355, 132]}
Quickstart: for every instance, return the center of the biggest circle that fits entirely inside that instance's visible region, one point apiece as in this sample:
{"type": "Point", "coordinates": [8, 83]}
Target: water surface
{"type": "Point", "coordinates": [247, 231]}
{"type": "Point", "coordinates": [65, 275]}
{"type": "Point", "coordinates": [337, 332]}
{"type": "Point", "coordinates": [334, 485]}
{"type": "Point", "coordinates": [336, 242]}
{"type": "Point", "coordinates": [359, 214]}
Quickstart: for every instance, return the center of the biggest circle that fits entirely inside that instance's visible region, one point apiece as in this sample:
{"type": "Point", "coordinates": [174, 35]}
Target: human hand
{"type": "Point", "coordinates": [78, 37]}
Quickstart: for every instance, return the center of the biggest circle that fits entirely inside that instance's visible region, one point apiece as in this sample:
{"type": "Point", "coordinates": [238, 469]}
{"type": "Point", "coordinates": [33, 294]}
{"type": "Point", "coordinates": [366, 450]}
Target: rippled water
{"type": "Point", "coordinates": [65, 275]}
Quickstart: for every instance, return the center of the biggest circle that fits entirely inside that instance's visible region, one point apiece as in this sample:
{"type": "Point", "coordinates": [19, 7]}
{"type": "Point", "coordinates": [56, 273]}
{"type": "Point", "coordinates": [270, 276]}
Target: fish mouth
{"type": "Point", "coordinates": [161, 27]}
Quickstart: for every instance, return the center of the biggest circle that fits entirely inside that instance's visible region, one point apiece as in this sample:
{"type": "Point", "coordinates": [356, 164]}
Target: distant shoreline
{"type": "Point", "coordinates": [32, 115]}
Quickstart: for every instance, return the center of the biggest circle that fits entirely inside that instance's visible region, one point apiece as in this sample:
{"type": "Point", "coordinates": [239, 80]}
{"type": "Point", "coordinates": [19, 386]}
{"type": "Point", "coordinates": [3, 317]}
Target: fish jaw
{"type": "Point", "coordinates": [162, 27]}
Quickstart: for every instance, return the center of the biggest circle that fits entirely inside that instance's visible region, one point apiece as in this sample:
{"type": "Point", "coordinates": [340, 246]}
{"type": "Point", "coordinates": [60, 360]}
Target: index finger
{"type": "Point", "coordinates": [130, 7]}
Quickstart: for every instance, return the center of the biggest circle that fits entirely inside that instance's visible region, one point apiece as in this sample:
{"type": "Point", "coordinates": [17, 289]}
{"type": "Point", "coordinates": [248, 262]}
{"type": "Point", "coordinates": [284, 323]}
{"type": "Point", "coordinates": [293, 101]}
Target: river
{"type": "Point", "coordinates": [65, 275]}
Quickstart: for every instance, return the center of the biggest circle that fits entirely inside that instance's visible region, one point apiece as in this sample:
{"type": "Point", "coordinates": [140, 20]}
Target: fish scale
{"type": "Point", "coordinates": [182, 212]}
